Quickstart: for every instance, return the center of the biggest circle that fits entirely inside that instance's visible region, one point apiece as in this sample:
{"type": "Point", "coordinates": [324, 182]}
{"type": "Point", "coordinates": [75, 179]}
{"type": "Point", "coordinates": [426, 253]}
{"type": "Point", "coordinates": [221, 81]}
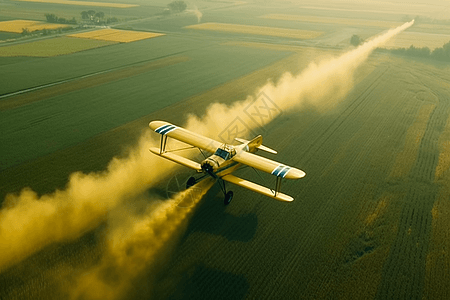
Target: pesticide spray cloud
{"type": "Point", "coordinates": [133, 247]}
{"type": "Point", "coordinates": [28, 223]}
{"type": "Point", "coordinates": [318, 83]}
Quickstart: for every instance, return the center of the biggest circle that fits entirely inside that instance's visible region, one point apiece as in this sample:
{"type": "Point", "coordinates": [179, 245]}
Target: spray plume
{"type": "Point", "coordinates": [133, 247]}
{"type": "Point", "coordinates": [28, 223]}
{"type": "Point", "coordinates": [318, 83]}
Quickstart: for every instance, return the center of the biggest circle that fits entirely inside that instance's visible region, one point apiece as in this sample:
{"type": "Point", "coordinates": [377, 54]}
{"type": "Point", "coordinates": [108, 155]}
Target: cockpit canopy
{"type": "Point", "coordinates": [225, 151]}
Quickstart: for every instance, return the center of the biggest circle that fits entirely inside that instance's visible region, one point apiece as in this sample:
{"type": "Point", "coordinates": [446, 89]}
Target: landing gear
{"type": "Point", "coordinates": [228, 198]}
{"type": "Point", "coordinates": [191, 181]}
{"type": "Point", "coordinates": [228, 195]}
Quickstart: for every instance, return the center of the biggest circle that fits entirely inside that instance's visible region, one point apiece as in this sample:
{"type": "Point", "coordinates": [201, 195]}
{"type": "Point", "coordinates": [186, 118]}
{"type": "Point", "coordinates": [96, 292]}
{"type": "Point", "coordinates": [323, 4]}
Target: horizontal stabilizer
{"type": "Point", "coordinates": [178, 159]}
{"type": "Point", "coordinates": [267, 149]}
{"type": "Point", "coordinates": [257, 188]}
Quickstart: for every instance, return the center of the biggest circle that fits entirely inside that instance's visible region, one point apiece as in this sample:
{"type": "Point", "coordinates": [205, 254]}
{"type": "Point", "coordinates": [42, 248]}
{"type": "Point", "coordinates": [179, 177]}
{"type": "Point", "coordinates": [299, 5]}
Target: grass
{"type": "Point", "coordinates": [52, 47]}
{"type": "Point", "coordinates": [368, 222]}
{"type": "Point", "coordinates": [8, 35]}
{"type": "Point", "coordinates": [88, 82]}
{"type": "Point", "coordinates": [418, 40]}
{"type": "Point", "coordinates": [268, 46]}
{"type": "Point", "coordinates": [115, 35]}
{"type": "Point", "coordinates": [17, 26]}
{"type": "Point", "coordinates": [330, 20]}
{"type": "Point", "coordinates": [83, 3]}
{"type": "Point", "coordinates": [27, 74]}
{"type": "Point", "coordinates": [258, 30]}
{"type": "Point", "coordinates": [56, 121]}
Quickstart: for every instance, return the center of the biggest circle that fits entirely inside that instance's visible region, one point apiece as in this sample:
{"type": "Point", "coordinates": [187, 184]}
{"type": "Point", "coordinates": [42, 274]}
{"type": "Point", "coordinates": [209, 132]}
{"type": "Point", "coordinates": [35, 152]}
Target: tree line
{"type": "Point", "coordinates": [175, 7]}
{"type": "Point", "coordinates": [97, 17]}
{"type": "Point", "coordinates": [90, 16]}
{"type": "Point", "coordinates": [52, 18]}
{"type": "Point", "coordinates": [441, 54]}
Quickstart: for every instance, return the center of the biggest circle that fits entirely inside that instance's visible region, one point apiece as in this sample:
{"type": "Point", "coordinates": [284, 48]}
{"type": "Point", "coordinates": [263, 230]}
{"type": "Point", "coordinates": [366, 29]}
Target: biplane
{"type": "Point", "coordinates": [225, 160]}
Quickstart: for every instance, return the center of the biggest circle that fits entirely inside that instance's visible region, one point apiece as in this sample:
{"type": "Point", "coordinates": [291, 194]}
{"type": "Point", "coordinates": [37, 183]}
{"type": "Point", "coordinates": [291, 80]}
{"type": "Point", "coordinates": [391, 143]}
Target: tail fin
{"type": "Point", "coordinates": [256, 143]}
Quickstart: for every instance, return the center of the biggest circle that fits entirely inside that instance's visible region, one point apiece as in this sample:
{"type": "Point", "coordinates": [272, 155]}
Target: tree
{"type": "Point", "coordinates": [112, 20]}
{"type": "Point", "coordinates": [25, 31]}
{"type": "Point", "coordinates": [84, 15]}
{"type": "Point", "coordinates": [355, 40]}
{"type": "Point", "coordinates": [51, 18]}
{"type": "Point", "coordinates": [177, 6]}
{"type": "Point", "coordinates": [100, 15]}
{"type": "Point", "coordinates": [91, 14]}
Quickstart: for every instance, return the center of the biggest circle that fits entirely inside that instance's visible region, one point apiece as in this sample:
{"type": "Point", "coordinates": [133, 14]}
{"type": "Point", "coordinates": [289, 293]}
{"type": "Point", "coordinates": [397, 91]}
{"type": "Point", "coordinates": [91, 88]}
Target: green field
{"type": "Point", "coordinates": [370, 220]}
{"type": "Point", "coordinates": [52, 47]}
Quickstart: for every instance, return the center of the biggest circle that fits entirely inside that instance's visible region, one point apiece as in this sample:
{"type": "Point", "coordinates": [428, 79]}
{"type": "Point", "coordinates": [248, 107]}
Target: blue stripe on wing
{"type": "Point", "coordinates": [281, 170]}
{"type": "Point", "coordinates": [284, 172]}
{"type": "Point", "coordinates": [165, 129]}
{"type": "Point", "coordinates": [159, 129]}
{"type": "Point", "coordinates": [277, 170]}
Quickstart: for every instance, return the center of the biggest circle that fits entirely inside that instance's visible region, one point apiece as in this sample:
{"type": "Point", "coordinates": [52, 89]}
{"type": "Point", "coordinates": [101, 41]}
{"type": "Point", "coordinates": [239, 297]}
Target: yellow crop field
{"type": "Point", "coordinates": [329, 20]}
{"type": "Point", "coordinates": [17, 26]}
{"type": "Point", "coordinates": [84, 3]}
{"type": "Point", "coordinates": [52, 47]}
{"type": "Point", "coordinates": [115, 35]}
{"type": "Point", "coordinates": [258, 30]}
{"type": "Point", "coordinates": [417, 39]}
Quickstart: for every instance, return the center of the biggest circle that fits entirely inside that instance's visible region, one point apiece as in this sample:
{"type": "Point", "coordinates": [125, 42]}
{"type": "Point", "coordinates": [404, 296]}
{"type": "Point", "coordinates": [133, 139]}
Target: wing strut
{"type": "Point", "coordinates": [278, 185]}
{"type": "Point", "coordinates": [162, 147]}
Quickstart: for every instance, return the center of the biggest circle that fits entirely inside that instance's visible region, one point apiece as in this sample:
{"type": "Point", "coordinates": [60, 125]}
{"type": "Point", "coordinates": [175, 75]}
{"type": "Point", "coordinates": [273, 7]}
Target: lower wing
{"type": "Point", "coordinates": [178, 159]}
{"type": "Point", "coordinates": [257, 188]}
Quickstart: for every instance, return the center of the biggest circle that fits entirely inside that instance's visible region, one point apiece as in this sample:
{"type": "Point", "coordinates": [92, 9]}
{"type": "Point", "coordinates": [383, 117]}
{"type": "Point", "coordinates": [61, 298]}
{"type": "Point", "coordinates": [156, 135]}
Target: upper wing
{"type": "Point", "coordinates": [267, 165]}
{"type": "Point", "coordinates": [185, 136]}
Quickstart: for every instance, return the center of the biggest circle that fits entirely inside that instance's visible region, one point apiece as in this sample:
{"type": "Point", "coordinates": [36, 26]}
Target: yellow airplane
{"type": "Point", "coordinates": [225, 160]}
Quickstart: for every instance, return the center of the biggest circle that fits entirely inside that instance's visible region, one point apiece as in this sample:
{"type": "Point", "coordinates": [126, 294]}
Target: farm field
{"type": "Point", "coordinates": [369, 200]}
{"type": "Point", "coordinates": [329, 20]}
{"type": "Point", "coordinates": [115, 35]}
{"type": "Point", "coordinates": [59, 112]}
{"type": "Point", "coordinates": [83, 3]}
{"type": "Point", "coordinates": [17, 26]}
{"type": "Point", "coordinates": [418, 40]}
{"type": "Point", "coordinates": [52, 47]}
{"type": "Point", "coordinates": [258, 30]}
{"type": "Point", "coordinates": [366, 168]}
{"type": "Point", "coordinates": [23, 74]}
{"type": "Point", "coordinates": [370, 220]}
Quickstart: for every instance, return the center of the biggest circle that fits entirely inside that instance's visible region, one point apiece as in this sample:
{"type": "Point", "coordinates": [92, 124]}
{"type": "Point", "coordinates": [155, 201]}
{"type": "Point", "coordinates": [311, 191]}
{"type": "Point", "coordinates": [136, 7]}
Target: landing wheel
{"type": "Point", "coordinates": [191, 181]}
{"type": "Point", "coordinates": [228, 198]}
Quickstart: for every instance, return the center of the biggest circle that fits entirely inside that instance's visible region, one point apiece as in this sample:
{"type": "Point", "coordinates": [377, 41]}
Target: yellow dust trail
{"type": "Point", "coordinates": [134, 247]}
{"type": "Point", "coordinates": [28, 222]}
{"type": "Point", "coordinates": [317, 84]}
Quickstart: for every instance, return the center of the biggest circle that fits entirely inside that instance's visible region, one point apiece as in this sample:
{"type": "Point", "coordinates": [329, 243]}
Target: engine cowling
{"type": "Point", "coordinates": [209, 165]}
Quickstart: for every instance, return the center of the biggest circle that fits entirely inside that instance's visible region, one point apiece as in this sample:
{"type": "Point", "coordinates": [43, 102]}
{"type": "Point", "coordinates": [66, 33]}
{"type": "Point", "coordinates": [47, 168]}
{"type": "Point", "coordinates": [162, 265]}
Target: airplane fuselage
{"type": "Point", "coordinates": [221, 163]}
